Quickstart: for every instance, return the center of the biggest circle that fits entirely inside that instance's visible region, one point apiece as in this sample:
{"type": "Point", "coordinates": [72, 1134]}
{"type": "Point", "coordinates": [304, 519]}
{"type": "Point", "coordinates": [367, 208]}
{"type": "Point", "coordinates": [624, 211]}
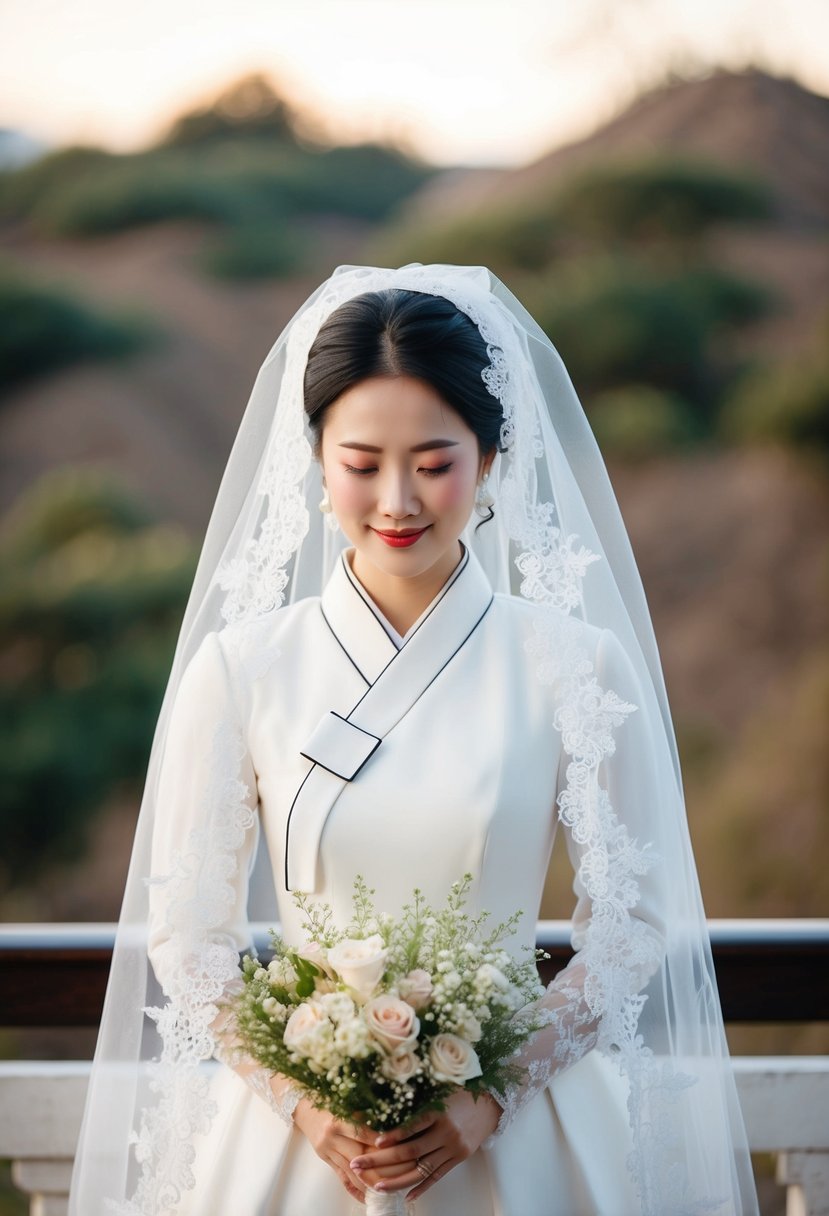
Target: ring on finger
{"type": "Point", "coordinates": [424, 1168]}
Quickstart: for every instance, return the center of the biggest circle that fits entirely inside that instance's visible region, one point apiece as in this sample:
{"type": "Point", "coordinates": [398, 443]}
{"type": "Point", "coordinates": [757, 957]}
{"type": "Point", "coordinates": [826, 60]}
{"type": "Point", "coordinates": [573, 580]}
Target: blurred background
{"type": "Point", "coordinates": [651, 178]}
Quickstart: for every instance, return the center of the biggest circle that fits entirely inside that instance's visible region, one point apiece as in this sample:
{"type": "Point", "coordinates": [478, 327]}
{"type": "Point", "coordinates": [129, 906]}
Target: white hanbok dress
{"type": "Point", "coordinates": [464, 778]}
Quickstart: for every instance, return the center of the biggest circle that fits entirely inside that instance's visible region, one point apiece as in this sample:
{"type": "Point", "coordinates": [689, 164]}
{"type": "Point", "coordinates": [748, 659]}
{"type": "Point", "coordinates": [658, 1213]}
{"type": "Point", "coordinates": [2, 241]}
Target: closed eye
{"type": "Point", "coordinates": [444, 468]}
{"type": "Point", "coordinates": [350, 468]}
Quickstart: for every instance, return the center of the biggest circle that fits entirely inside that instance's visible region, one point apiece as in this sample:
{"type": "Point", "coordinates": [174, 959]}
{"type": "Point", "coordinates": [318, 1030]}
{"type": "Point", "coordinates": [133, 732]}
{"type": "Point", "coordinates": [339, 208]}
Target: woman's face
{"type": "Point", "coordinates": [401, 468]}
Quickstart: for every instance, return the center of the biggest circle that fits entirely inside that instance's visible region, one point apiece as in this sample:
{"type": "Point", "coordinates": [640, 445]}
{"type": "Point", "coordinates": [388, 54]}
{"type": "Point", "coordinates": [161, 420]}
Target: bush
{"type": "Point", "coordinates": [658, 197]}
{"type": "Point", "coordinates": [788, 403]}
{"type": "Point", "coordinates": [638, 421]}
{"type": "Point", "coordinates": [21, 190]}
{"type": "Point", "coordinates": [249, 106]}
{"type": "Point", "coordinates": [617, 321]}
{"type": "Point", "coordinates": [248, 180]}
{"type": "Point", "coordinates": [257, 250]}
{"type": "Point", "coordinates": [44, 328]}
{"type": "Point", "coordinates": [91, 601]}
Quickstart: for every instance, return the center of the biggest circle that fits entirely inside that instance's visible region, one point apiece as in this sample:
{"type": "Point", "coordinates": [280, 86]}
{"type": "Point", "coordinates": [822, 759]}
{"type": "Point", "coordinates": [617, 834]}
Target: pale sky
{"type": "Point", "coordinates": [461, 81]}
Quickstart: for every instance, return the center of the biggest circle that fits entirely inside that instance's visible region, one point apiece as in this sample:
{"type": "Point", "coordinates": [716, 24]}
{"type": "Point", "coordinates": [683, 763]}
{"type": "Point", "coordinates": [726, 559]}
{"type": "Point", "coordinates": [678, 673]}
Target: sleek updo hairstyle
{"type": "Point", "coordinates": [403, 333]}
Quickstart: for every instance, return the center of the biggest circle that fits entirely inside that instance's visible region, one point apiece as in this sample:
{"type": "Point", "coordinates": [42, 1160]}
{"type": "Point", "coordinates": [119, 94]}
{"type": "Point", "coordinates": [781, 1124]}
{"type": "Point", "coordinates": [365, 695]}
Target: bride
{"type": "Point", "coordinates": [417, 645]}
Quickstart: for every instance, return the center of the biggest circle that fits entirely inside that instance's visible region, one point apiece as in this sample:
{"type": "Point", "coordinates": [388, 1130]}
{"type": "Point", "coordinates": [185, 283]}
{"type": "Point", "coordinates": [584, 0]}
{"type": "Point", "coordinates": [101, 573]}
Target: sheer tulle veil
{"type": "Point", "coordinates": [558, 540]}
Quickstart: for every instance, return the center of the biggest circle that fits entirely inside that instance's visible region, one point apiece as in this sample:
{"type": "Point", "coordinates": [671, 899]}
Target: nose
{"type": "Point", "coordinates": [397, 497]}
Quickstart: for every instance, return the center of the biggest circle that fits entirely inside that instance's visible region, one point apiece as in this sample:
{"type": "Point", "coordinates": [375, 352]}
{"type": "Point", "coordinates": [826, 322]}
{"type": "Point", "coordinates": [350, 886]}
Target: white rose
{"type": "Point", "coordinates": [302, 1022]}
{"type": "Point", "coordinates": [416, 988]}
{"type": "Point", "coordinates": [400, 1065]}
{"type": "Point", "coordinates": [360, 963]}
{"type": "Point", "coordinates": [452, 1059]}
{"type": "Point", "coordinates": [391, 1022]}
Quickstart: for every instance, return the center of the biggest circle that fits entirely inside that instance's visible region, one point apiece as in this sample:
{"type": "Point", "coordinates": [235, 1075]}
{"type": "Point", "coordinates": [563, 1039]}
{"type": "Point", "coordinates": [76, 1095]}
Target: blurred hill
{"type": "Point", "coordinates": [727, 503]}
{"type": "Point", "coordinates": [765, 123]}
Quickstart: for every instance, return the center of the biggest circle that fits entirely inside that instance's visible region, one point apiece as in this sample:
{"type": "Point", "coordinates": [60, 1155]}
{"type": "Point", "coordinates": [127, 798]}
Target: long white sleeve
{"type": "Point", "coordinates": [204, 845]}
{"type": "Point", "coordinates": [611, 794]}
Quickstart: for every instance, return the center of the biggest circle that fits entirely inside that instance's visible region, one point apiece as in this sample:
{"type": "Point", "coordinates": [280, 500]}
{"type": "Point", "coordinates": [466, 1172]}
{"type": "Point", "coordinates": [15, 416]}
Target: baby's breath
{"type": "Point", "coordinates": [452, 966]}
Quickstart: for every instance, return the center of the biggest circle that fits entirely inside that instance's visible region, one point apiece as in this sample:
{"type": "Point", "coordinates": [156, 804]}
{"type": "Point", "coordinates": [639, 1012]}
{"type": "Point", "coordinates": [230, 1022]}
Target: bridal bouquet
{"type": "Point", "coordinates": [387, 1017]}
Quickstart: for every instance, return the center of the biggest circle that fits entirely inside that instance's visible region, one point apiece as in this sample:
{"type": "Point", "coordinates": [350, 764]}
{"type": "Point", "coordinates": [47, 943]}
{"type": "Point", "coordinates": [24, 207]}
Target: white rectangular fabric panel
{"type": "Point", "coordinates": [339, 746]}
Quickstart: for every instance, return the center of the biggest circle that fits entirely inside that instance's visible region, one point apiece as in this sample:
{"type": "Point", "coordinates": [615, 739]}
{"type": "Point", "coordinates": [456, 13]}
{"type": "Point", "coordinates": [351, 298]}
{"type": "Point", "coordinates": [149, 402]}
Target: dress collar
{"type": "Point", "coordinates": [364, 633]}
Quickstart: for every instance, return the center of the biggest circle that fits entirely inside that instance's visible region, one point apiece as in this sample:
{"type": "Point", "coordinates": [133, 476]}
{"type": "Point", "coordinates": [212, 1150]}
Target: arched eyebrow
{"type": "Point", "coordinates": [429, 446]}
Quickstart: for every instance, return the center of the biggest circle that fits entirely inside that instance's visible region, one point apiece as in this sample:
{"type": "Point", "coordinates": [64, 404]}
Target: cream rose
{"type": "Point", "coordinates": [318, 955]}
{"type": "Point", "coordinates": [302, 1022]}
{"type": "Point", "coordinates": [416, 988]}
{"type": "Point", "coordinates": [393, 1023]}
{"type": "Point", "coordinates": [452, 1059]}
{"type": "Point", "coordinates": [359, 963]}
{"type": "Point", "coordinates": [400, 1065]}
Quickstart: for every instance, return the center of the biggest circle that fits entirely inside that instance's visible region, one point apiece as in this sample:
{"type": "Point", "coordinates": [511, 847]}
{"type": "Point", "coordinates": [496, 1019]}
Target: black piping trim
{"type": "Point", "coordinates": [369, 603]}
{"type": "Point", "coordinates": [354, 726]}
{"type": "Point", "coordinates": [288, 820]}
{"type": "Point", "coordinates": [350, 658]}
{"type": "Point", "coordinates": [443, 666]}
{"type": "Point", "coordinates": [452, 580]}
{"type": "Point", "coordinates": [450, 583]}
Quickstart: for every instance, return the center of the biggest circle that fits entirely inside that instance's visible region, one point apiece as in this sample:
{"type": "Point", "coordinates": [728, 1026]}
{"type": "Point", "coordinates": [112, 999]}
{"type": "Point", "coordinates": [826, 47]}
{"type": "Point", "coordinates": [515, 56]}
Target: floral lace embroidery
{"type": "Point", "coordinates": [196, 971]}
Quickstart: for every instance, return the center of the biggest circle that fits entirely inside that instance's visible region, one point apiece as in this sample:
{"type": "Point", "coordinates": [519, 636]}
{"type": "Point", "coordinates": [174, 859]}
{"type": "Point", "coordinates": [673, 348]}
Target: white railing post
{"type": "Point", "coordinates": [806, 1178]}
{"type": "Point", "coordinates": [785, 1102]}
{"type": "Point", "coordinates": [41, 1106]}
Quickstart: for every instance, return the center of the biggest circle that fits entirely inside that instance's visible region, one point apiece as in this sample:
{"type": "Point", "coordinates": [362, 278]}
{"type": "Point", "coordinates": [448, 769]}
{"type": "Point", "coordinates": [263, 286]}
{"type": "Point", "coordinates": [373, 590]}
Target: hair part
{"type": "Point", "coordinates": [397, 332]}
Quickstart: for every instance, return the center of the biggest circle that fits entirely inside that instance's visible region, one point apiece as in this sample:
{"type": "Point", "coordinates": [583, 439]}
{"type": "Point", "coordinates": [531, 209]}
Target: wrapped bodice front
{"type": "Point", "coordinates": [463, 780]}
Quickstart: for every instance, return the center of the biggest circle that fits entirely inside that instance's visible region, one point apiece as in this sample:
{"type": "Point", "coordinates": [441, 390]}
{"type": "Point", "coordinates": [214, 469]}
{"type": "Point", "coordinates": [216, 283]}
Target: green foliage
{"type": "Point", "coordinates": [250, 106]}
{"type": "Point", "coordinates": [43, 328]}
{"type": "Point", "coordinates": [787, 402]}
{"type": "Point", "coordinates": [619, 321]}
{"type": "Point", "coordinates": [237, 164]}
{"type": "Point", "coordinates": [257, 250]}
{"type": "Point", "coordinates": [638, 421]}
{"type": "Point", "coordinates": [366, 181]}
{"type": "Point", "coordinates": [474, 988]}
{"type": "Point", "coordinates": [517, 237]}
{"type": "Point", "coordinates": [657, 197]}
{"type": "Point", "coordinates": [22, 190]}
{"type": "Point", "coordinates": [91, 599]}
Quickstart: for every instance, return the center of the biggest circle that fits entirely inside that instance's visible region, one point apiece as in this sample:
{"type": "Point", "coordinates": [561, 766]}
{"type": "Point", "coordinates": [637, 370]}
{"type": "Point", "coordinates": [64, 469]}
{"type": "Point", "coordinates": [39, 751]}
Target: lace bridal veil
{"type": "Point", "coordinates": [558, 540]}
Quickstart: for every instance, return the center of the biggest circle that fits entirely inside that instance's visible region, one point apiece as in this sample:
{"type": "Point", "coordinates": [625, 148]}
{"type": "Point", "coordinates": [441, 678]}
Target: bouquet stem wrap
{"type": "Point", "coordinates": [392, 1204]}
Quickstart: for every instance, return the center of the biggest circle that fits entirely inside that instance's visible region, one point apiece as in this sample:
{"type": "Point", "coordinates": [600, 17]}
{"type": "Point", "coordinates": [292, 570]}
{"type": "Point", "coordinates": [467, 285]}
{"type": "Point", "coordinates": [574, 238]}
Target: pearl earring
{"type": "Point", "coordinates": [483, 498]}
{"type": "Point", "coordinates": [327, 510]}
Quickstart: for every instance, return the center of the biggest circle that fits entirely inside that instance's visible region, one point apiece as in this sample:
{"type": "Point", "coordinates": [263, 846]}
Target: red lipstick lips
{"type": "Point", "coordinates": [401, 539]}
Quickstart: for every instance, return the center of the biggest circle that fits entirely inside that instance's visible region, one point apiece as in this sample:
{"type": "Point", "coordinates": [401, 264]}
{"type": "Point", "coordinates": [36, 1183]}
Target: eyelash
{"type": "Point", "coordinates": [444, 468]}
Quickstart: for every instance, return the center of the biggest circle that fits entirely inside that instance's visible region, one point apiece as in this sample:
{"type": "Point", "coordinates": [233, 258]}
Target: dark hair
{"type": "Point", "coordinates": [403, 333]}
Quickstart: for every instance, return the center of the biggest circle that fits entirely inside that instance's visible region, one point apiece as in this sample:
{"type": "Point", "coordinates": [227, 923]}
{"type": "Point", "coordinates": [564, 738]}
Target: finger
{"type": "Point", "coordinates": [372, 1177]}
{"type": "Point", "coordinates": [352, 1190]}
{"type": "Point", "coordinates": [407, 1130]}
{"type": "Point", "coordinates": [414, 1177]}
{"type": "Point", "coordinates": [408, 1151]}
{"type": "Point", "coordinates": [425, 1183]}
{"type": "Point", "coordinates": [350, 1180]}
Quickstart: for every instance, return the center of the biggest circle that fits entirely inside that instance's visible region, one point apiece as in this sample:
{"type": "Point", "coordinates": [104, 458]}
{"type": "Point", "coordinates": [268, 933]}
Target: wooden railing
{"type": "Point", "coordinates": [767, 971]}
